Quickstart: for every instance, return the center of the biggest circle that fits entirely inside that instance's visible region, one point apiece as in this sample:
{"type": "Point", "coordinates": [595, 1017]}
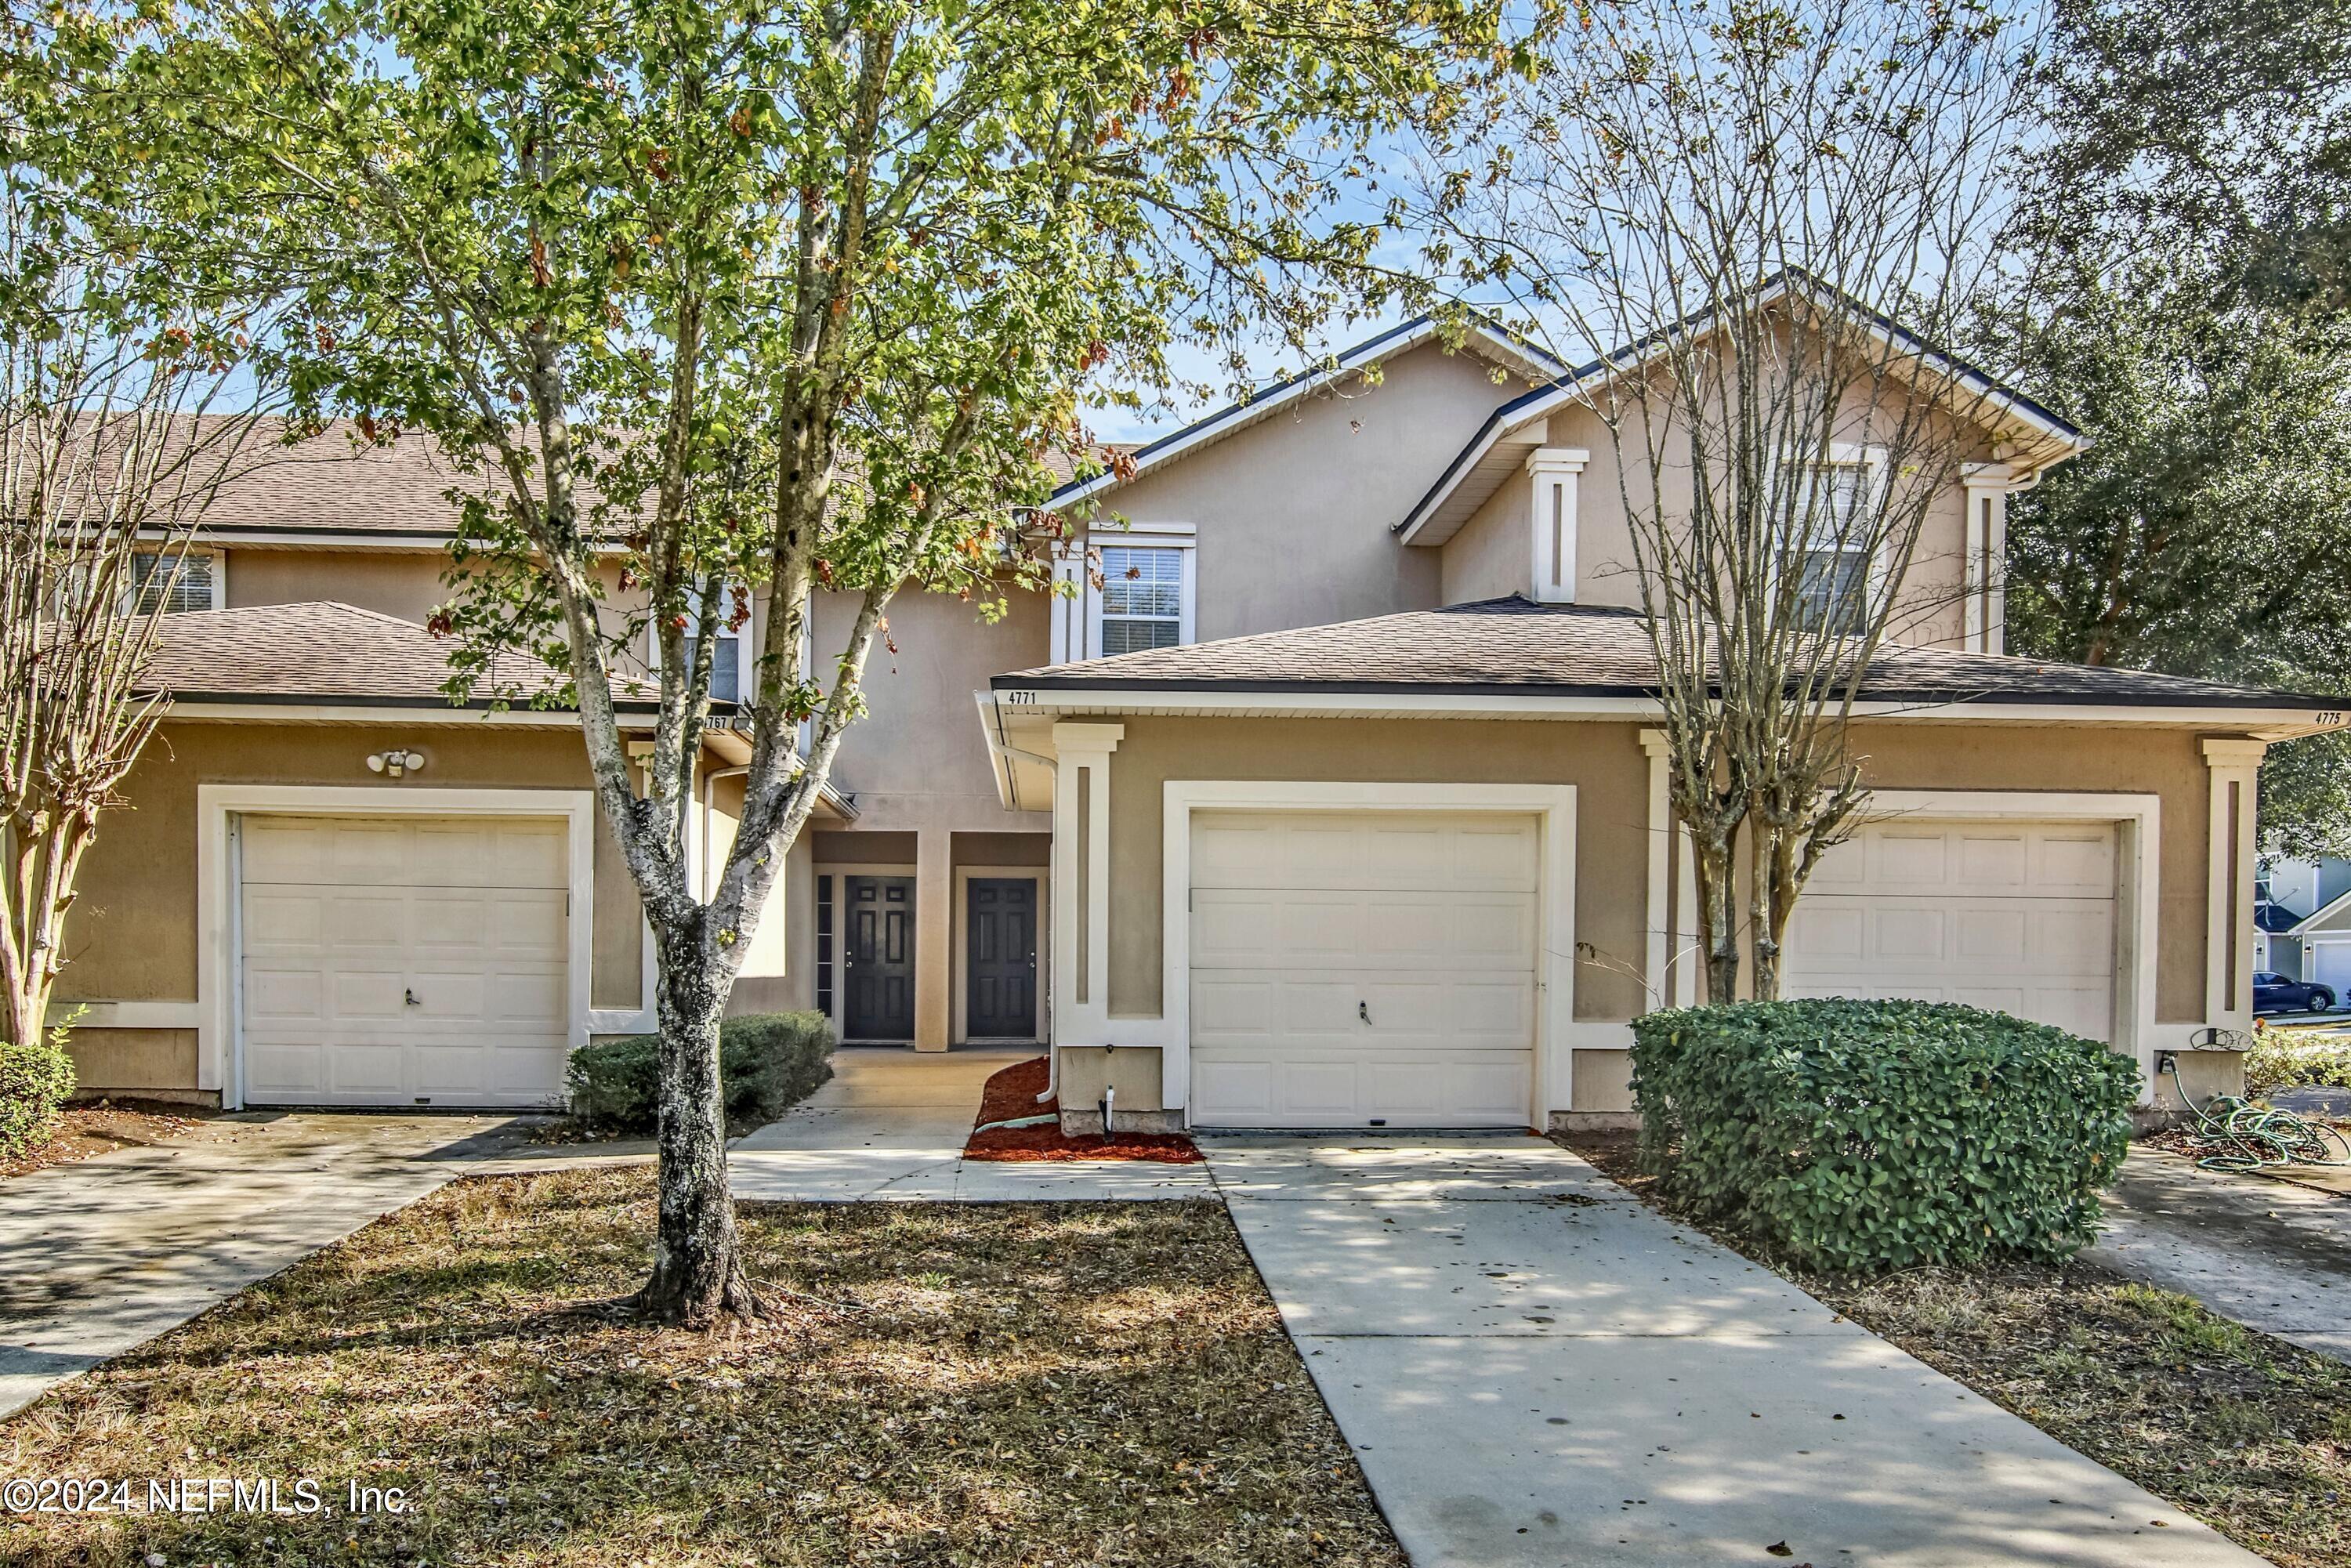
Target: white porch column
{"type": "Point", "coordinates": [1687, 959]}
{"type": "Point", "coordinates": [1657, 929]}
{"type": "Point", "coordinates": [2231, 851]}
{"type": "Point", "coordinates": [1552, 557]}
{"type": "Point", "coordinates": [1081, 913]}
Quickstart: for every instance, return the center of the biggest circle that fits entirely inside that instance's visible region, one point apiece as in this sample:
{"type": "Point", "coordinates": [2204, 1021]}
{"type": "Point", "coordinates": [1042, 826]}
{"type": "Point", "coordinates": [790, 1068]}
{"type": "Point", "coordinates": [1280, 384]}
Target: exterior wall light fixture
{"type": "Point", "coordinates": [392, 764]}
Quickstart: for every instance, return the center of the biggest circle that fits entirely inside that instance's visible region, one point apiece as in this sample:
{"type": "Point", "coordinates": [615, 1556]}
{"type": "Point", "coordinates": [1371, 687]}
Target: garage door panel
{"type": "Point", "coordinates": [1396, 851]}
{"type": "Point", "coordinates": [437, 972]}
{"type": "Point", "coordinates": [1350, 967]}
{"type": "Point", "coordinates": [2023, 920]}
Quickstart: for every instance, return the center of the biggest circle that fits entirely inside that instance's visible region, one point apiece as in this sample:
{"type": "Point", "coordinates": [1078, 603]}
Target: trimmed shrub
{"type": "Point", "coordinates": [2279, 1060]}
{"type": "Point", "coordinates": [1860, 1137]}
{"type": "Point", "coordinates": [767, 1062]}
{"type": "Point", "coordinates": [36, 1080]}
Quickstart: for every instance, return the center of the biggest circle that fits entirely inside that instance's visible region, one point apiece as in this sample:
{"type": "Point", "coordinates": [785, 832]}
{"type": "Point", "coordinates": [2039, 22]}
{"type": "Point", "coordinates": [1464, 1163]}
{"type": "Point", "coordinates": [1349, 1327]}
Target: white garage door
{"type": "Point", "coordinates": [2018, 917]}
{"type": "Point", "coordinates": [1360, 968]}
{"type": "Point", "coordinates": [2329, 964]}
{"type": "Point", "coordinates": [404, 961]}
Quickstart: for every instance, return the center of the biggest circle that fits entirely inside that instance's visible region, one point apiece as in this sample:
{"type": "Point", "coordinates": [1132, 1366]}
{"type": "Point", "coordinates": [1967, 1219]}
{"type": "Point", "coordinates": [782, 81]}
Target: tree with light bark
{"type": "Point", "coordinates": [753, 302]}
{"type": "Point", "coordinates": [115, 368]}
{"type": "Point", "coordinates": [1732, 198]}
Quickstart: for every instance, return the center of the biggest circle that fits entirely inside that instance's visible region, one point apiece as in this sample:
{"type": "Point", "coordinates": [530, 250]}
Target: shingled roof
{"type": "Point", "coordinates": [1516, 647]}
{"type": "Point", "coordinates": [324, 652]}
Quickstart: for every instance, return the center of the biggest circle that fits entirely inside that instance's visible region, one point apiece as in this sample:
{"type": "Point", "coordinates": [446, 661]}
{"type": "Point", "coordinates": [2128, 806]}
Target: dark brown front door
{"type": "Point", "coordinates": [1000, 959]}
{"type": "Point", "coordinates": [880, 951]}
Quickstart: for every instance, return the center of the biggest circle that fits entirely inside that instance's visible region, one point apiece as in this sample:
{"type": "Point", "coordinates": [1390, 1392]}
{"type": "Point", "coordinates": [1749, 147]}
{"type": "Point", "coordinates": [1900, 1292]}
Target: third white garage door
{"type": "Point", "coordinates": [404, 961]}
{"type": "Point", "coordinates": [2015, 916]}
{"type": "Point", "coordinates": [1362, 968]}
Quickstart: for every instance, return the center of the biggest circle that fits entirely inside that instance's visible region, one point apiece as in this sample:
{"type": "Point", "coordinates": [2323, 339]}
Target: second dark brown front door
{"type": "Point", "coordinates": [1000, 959]}
{"type": "Point", "coordinates": [879, 949]}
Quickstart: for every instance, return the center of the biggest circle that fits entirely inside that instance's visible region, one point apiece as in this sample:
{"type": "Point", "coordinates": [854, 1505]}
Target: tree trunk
{"type": "Point", "coordinates": [698, 1274]}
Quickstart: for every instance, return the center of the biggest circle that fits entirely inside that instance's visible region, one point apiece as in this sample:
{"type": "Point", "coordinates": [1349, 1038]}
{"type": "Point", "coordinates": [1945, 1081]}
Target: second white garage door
{"type": "Point", "coordinates": [2017, 918]}
{"type": "Point", "coordinates": [1360, 968]}
{"type": "Point", "coordinates": [404, 961]}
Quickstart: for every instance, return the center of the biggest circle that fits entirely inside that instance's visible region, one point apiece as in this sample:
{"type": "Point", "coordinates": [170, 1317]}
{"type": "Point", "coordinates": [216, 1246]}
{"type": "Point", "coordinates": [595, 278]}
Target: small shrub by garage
{"type": "Point", "coordinates": [36, 1081]}
{"type": "Point", "coordinates": [1862, 1136]}
{"type": "Point", "coordinates": [767, 1062]}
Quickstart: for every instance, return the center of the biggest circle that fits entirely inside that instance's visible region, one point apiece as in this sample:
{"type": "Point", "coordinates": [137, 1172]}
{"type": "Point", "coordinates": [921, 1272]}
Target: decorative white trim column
{"type": "Point", "coordinates": [1551, 553]}
{"type": "Point", "coordinates": [1984, 574]}
{"type": "Point", "coordinates": [2232, 853]}
{"type": "Point", "coordinates": [1688, 963]}
{"type": "Point", "coordinates": [1081, 912]}
{"type": "Point", "coordinates": [1658, 920]}
{"type": "Point", "coordinates": [1067, 605]}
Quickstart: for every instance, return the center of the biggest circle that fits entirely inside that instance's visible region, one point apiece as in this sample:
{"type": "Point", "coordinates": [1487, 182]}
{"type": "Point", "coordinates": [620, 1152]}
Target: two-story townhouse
{"type": "Point", "coordinates": [1322, 793]}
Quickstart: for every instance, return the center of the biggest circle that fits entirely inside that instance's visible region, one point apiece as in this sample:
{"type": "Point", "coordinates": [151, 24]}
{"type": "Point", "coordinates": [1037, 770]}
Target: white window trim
{"type": "Point", "coordinates": [220, 1042]}
{"type": "Point", "coordinates": [746, 675]}
{"type": "Point", "coordinates": [1877, 472]}
{"type": "Point", "coordinates": [1077, 609]}
{"type": "Point", "coordinates": [218, 567]}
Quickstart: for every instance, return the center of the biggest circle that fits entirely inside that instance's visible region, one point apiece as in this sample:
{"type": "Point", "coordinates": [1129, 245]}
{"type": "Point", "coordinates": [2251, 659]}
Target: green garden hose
{"type": "Point", "coordinates": [2244, 1136]}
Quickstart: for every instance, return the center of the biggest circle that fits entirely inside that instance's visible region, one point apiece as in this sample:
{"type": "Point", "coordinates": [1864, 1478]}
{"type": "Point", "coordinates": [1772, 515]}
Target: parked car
{"type": "Point", "coordinates": [2276, 994]}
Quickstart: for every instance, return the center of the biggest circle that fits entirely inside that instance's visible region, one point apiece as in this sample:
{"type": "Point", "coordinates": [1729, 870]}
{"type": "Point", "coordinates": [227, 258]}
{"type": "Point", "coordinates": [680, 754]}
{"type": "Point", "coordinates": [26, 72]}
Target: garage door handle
{"type": "Point", "coordinates": [1364, 1011]}
{"type": "Point", "coordinates": [410, 997]}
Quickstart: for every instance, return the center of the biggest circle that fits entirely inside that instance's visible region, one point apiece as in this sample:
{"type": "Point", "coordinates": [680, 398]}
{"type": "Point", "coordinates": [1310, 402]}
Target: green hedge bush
{"type": "Point", "coordinates": [1860, 1137]}
{"type": "Point", "coordinates": [36, 1080]}
{"type": "Point", "coordinates": [767, 1062]}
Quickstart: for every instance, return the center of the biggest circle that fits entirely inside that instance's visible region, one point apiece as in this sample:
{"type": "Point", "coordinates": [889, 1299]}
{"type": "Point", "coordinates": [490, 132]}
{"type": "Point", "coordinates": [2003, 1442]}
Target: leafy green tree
{"type": "Point", "coordinates": [2184, 229]}
{"type": "Point", "coordinates": [770, 297]}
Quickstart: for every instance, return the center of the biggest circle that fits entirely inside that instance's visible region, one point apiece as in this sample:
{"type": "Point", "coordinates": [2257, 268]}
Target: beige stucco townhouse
{"type": "Point", "coordinates": [1329, 799]}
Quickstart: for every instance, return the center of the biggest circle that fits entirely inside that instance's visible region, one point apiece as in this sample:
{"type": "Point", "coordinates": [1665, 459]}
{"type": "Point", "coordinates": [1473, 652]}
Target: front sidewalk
{"type": "Point", "coordinates": [891, 1124]}
{"type": "Point", "coordinates": [1535, 1368]}
{"type": "Point", "coordinates": [103, 1254]}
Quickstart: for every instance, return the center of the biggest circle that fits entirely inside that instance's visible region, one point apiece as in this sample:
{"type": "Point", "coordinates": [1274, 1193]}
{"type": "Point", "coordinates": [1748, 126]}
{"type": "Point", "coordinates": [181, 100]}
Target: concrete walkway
{"type": "Point", "coordinates": [2271, 1254]}
{"type": "Point", "coordinates": [104, 1254]}
{"type": "Point", "coordinates": [1536, 1369]}
{"type": "Point", "coordinates": [97, 1256]}
{"type": "Point", "coordinates": [893, 1124]}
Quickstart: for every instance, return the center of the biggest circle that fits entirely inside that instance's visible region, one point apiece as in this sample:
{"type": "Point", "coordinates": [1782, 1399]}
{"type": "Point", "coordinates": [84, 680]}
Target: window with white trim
{"type": "Point", "coordinates": [726, 672]}
{"type": "Point", "coordinates": [1142, 599]}
{"type": "Point", "coordinates": [1834, 568]}
{"type": "Point", "coordinates": [172, 581]}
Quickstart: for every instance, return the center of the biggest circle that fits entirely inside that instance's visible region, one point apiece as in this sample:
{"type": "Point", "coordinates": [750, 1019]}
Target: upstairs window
{"type": "Point", "coordinates": [172, 582]}
{"type": "Point", "coordinates": [1834, 568]}
{"type": "Point", "coordinates": [726, 682]}
{"type": "Point", "coordinates": [1142, 599]}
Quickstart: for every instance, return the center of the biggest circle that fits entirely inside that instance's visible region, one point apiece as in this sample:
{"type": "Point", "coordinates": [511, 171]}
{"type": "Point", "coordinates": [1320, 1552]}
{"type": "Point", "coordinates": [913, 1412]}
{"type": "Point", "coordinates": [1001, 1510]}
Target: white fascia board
{"type": "Point", "coordinates": [1468, 705]}
{"type": "Point", "coordinates": [2061, 442]}
{"type": "Point", "coordinates": [1234, 417]}
{"type": "Point", "coordinates": [2308, 926]}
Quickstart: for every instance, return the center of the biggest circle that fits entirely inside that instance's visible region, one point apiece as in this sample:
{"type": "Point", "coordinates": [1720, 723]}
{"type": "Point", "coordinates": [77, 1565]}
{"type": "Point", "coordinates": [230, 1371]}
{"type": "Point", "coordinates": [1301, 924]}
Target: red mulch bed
{"type": "Point", "coordinates": [1013, 1092]}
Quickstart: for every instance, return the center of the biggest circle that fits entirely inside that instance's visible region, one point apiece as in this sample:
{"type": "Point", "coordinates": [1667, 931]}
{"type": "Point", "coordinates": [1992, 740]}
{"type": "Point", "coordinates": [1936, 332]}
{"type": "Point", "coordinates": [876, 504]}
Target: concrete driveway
{"type": "Point", "coordinates": [1536, 1369]}
{"type": "Point", "coordinates": [101, 1255]}
{"type": "Point", "coordinates": [2272, 1255]}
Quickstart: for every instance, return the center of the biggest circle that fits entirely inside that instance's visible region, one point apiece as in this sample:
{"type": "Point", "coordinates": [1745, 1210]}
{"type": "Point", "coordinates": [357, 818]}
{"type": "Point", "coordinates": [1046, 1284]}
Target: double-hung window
{"type": "Point", "coordinates": [1834, 563]}
{"type": "Point", "coordinates": [172, 581]}
{"type": "Point", "coordinates": [1142, 598]}
{"type": "Point", "coordinates": [726, 672]}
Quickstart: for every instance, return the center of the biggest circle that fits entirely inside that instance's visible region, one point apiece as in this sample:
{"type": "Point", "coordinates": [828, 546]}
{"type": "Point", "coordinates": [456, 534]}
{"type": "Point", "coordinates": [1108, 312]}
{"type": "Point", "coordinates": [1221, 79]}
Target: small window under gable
{"type": "Point", "coordinates": [173, 582]}
{"type": "Point", "coordinates": [1834, 564]}
{"type": "Point", "coordinates": [1142, 598]}
{"type": "Point", "coordinates": [1124, 592]}
{"type": "Point", "coordinates": [728, 666]}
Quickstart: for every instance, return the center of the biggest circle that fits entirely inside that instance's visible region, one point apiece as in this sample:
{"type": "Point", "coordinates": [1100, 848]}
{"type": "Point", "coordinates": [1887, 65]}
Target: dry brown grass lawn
{"type": "Point", "coordinates": [1013, 1384]}
{"type": "Point", "coordinates": [2248, 1433]}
